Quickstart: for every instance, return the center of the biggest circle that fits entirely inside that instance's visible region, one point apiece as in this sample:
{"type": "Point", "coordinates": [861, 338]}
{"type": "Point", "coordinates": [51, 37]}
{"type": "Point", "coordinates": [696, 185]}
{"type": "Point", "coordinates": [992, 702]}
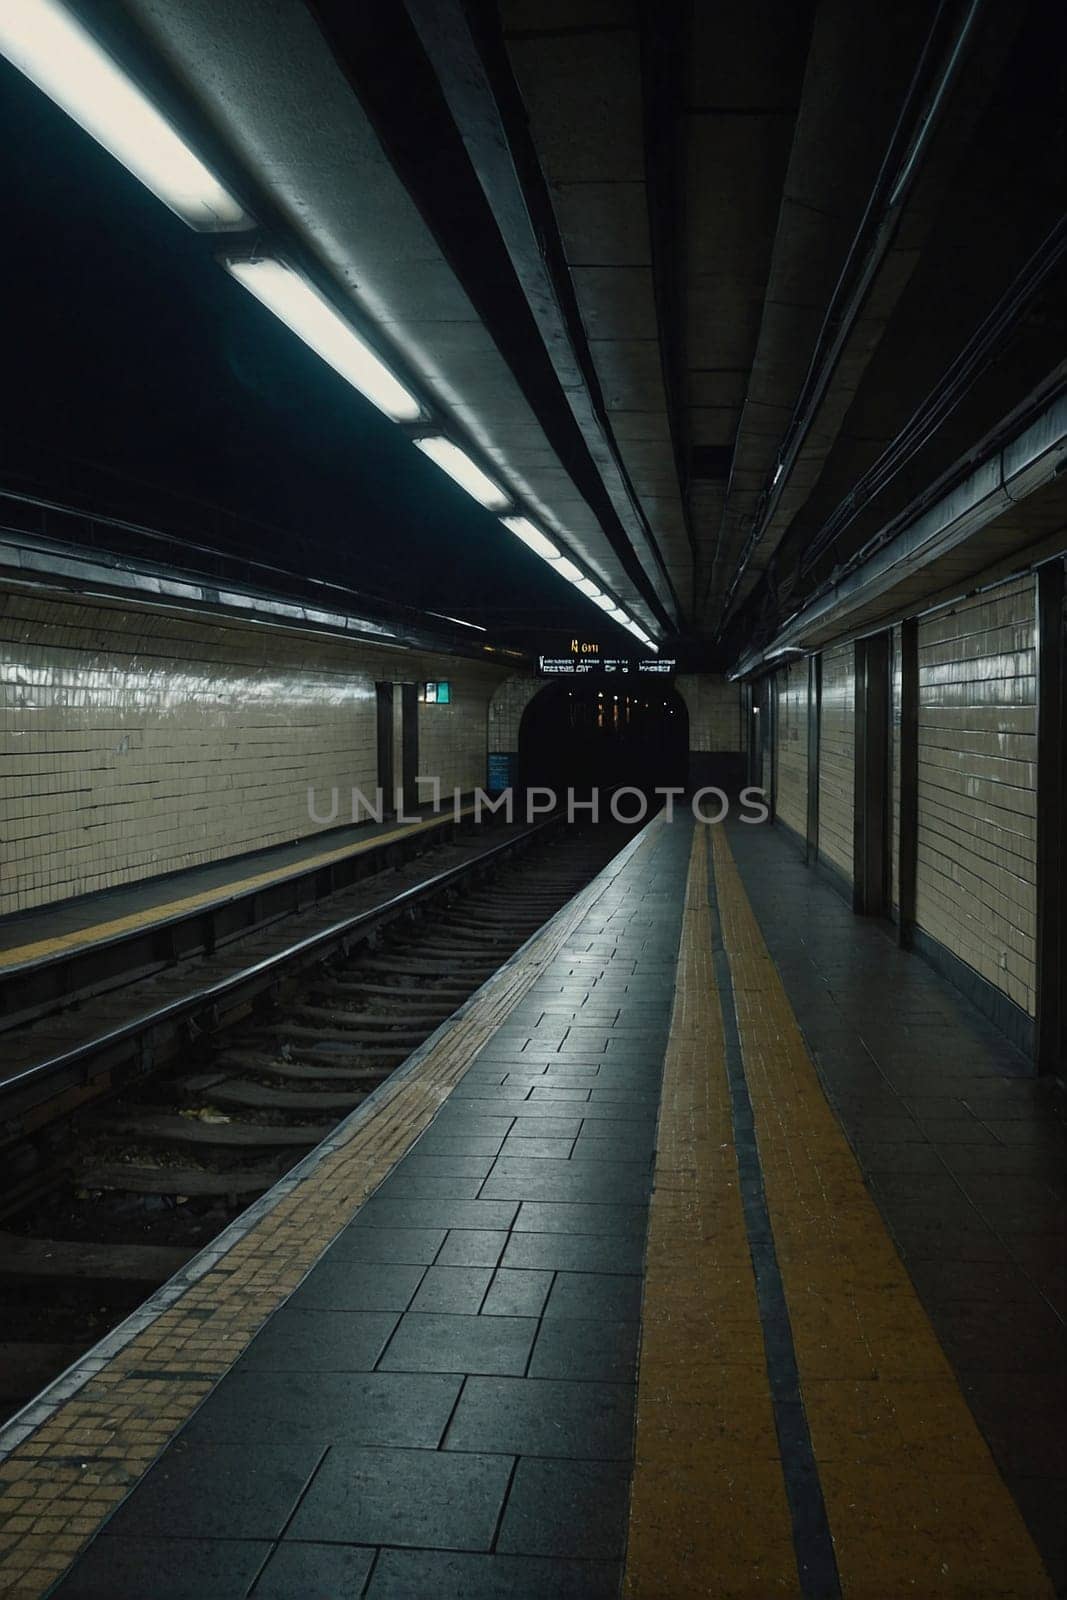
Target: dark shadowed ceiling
{"type": "Point", "coordinates": [718, 291]}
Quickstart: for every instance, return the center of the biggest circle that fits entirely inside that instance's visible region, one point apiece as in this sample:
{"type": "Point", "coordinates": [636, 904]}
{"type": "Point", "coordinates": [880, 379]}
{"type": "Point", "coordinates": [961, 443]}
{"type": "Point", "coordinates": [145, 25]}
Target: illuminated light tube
{"type": "Point", "coordinates": [604, 601]}
{"type": "Point", "coordinates": [588, 587]}
{"type": "Point", "coordinates": [622, 618]}
{"type": "Point", "coordinates": [312, 318]}
{"type": "Point", "coordinates": [567, 569]}
{"type": "Point", "coordinates": [462, 470]}
{"type": "Point", "coordinates": [62, 58]}
{"type": "Point", "coordinates": [524, 529]}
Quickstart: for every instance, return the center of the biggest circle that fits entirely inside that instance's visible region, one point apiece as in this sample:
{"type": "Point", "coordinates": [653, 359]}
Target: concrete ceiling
{"type": "Point", "coordinates": [715, 289]}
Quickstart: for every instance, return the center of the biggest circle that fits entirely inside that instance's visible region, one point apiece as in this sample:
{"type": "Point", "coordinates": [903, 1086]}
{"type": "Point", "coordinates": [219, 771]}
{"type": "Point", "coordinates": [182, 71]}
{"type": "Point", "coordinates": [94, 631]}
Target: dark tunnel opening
{"type": "Point", "coordinates": [582, 735]}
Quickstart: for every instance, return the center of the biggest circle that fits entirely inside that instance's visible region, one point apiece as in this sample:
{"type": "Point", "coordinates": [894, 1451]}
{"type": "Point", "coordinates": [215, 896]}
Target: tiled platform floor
{"type": "Point", "coordinates": [445, 1405]}
{"type": "Point", "coordinates": [449, 1395]}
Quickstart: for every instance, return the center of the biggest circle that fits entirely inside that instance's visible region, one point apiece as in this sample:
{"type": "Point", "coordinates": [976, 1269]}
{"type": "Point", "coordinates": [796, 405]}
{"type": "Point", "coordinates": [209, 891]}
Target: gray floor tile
{"type": "Point", "coordinates": [379, 1408]}
{"type": "Point", "coordinates": [567, 1508]}
{"type": "Point", "coordinates": [439, 1213]}
{"type": "Point", "coordinates": [578, 1349]}
{"type": "Point", "coordinates": [411, 1246]}
{"type": "Point", "coordinates": [563, 1252]}
{"type": "Point", "coordinates": [516, 1179]}
{"type": "Point", "coordinates": [304, 1571]}
{"type": "Point", "coordinates": [545, 1128]}
{"type": "Point", "coordinates": [458, 1144]}
{"type": "Point", "coordinates": [537, 1149]}
{"type": "Point", "coordinates": [460, 1290]}
{"type": "Point", "coordinates": [553, 1217]}
{"type": "Point", "coordinates": [405, 1184]}
{"type": "Point", "coordinates": [430, 1575]}
{"type": "Point", "coordinates": [164, 1569]}
{"type": "Point", "coordinates": [517, 1294]}
{"type": "Point", "coordinates": [437, 1342]}
{"type": "Point", "coordinates": [425, 1163]}
{"type": "Point", "coordinates": [296, 1340]}
{"type": "Point", "coordinates": [526, 1416]}
{"type": "Point", "coordinates": [341, 1283]}
{"type": "Point", "coordinates": [218, 1491]}
{"type": "Point", "coordinates": [559, 1094]}
{"type": "Point", "coordinates": [459, 1120]}
{"type": "Point", "coordinates": [472, 1247]}
{"type": "Point", "coordinates": [417, 1498]}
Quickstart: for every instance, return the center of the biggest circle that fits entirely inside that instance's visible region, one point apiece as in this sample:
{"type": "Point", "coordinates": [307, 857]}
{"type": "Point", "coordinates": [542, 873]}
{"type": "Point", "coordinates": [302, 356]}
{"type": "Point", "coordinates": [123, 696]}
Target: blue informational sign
{"type": "Point", "coordinates": [503, 769]}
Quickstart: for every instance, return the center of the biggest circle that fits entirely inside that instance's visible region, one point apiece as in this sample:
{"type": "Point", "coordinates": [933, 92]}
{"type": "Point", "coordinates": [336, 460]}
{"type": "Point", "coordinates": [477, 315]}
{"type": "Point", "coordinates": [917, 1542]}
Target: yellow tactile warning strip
{"type": "Point", "coordinates": [17, 955]}
{"type": "Point", "coordinates": [60, 1484]}
{"type": "Point", "coordinates": [708, 1509]}
{"type": "Point", "coordinates": [915, 1503]}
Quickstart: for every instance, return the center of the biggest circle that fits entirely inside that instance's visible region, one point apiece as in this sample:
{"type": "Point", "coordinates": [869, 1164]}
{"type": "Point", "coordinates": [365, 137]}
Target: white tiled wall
{"type": "Point", "coordinates": [791, 794]}
{"type": "Point", "coordinates": [135, 742]}
{"type": "Point", "coordinates": [977, 798]}
{"type": "Point", "coordinates": [837, 756]}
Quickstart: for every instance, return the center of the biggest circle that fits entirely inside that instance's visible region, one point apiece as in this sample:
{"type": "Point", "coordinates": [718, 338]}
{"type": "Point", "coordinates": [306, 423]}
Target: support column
{"type": "Point", "coordinates": [870, 862]}
{"type": "Point", "coordinates": [409, 745]}
{"type": "Point", "coordinates": [908, 837]}
{"type": "Point", "coordinates": [383, 693]}
{"type": "Point", "coordinates": [1051, 979]}
{"type": "Point", "coordinates": [811, 854]}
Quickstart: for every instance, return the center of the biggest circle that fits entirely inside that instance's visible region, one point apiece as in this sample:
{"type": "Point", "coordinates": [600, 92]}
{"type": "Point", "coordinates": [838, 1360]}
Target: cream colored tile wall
{"type": "Point", "coordinates": [977, 773]}
{"type": "Point", "coordinates": [452, 738]}
{"type": "Point", "coordinates": [791, 793]}
{"type": "Point", "coordinates": [714, 706]}
{"type": "Point", "coordinates": [509, 702]}
{"type": "Point", "coordinates": [894, 768]}
{"type": "Point", "coordinates": [135, 742]}
{"type": "Point", "coordinates": [837, 756]}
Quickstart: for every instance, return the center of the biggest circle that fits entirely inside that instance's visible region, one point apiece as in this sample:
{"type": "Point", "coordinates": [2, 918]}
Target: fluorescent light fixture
{"type": "Point", "coordinates": [61, 57]}
{"type": "Point", "coordinates": [604, 601]}
{"type": "Point", "coordinates": [588, 587]}
{"type": "Point", "coordinates": [312, 318]}
{"type": "Point", "coordinates": [567, 569]}
{"type": "Point", "coordinates": [462, 470]}
{"type": "Point", "coordinates": [461, 620]}
{"type": "Point", "coordinates": [621, 617]}
{"type": "Point", "coordinates": [524, 529]}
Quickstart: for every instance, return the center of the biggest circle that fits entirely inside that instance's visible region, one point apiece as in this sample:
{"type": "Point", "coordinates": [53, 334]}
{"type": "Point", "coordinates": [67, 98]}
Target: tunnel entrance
{"type": "Point", "coordinates": [579, 734]}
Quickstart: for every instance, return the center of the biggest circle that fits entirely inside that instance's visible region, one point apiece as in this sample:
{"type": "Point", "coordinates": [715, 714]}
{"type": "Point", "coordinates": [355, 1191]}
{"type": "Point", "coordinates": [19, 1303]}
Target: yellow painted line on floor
{"type": "Point", "coordinates": [708, 1510]}
{"type": "Point", "coordinates": [915, 1502]}
{"type": "Point", "coordinates": [17, 954]}
{"type": "Point", "coordinates": [59, 1485]}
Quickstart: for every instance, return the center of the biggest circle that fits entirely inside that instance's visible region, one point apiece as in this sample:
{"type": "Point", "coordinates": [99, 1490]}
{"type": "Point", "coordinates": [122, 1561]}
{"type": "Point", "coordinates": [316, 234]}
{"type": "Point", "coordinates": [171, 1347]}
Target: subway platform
{"type": "Point", "coordinates": [715, 1247]}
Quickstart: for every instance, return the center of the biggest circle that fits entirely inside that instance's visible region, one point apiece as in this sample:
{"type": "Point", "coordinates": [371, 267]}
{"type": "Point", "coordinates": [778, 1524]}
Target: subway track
{"type": "Point", "coordinates": [125, 1189]}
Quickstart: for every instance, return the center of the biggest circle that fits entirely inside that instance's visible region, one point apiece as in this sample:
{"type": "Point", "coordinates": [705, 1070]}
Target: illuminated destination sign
{"type": "Point", "coordinates": [581, 666]}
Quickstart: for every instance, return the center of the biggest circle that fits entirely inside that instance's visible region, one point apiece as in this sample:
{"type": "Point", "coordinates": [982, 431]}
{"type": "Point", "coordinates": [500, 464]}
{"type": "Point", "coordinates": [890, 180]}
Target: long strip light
{"type": "Point", "coordinates": [52, 47]}
{"type": "Point", "coordinates": [532, 536]}
{"type": "Point", "coordinates": [61, 57]}
{"type": "Point", "coordinates": [462, 470]}
{"type": "Point", "coordinates": [312, 318]}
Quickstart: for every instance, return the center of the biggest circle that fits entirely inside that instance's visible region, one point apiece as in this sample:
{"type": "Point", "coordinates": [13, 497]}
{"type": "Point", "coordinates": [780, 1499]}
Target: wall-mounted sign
{"type": "Point", "coordinates": [437, 694]}
{"type": "Point", "coordinates": [503, 770]}
{"type": "Point", "coordinates": [603, 666]}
